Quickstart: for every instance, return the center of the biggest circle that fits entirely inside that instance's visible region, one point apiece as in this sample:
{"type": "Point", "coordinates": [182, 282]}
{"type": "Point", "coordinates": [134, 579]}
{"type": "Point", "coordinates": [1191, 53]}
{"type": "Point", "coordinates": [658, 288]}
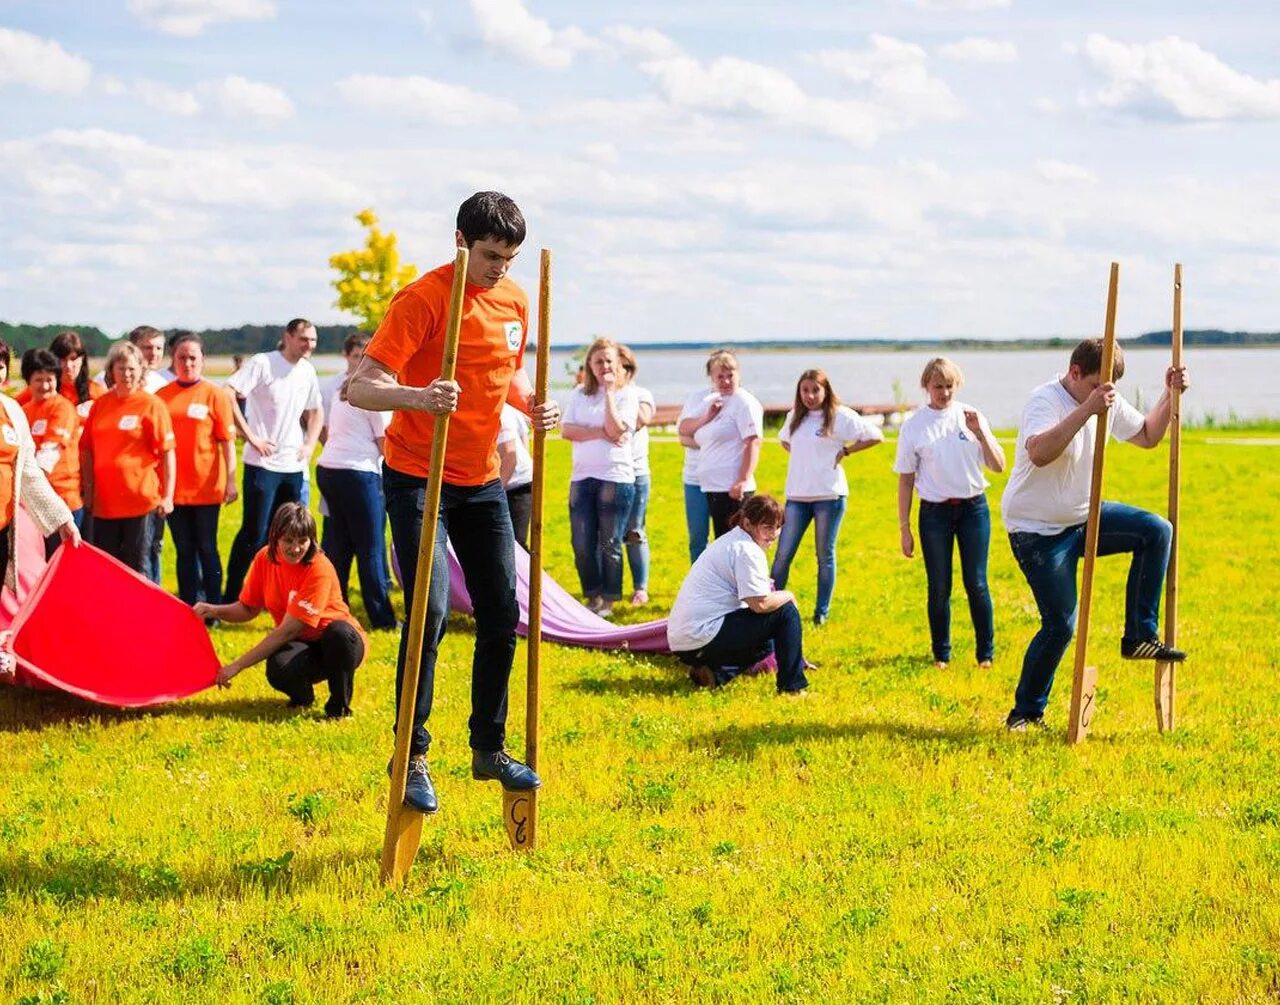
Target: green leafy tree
{"type": "Point", "coordinates": [369, 277]}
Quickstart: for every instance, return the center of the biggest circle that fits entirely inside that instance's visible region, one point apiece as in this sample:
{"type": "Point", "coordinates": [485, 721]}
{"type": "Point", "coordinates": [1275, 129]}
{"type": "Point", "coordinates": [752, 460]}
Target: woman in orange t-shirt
{"type": "Point", "coordinates": [206, 451]}
{"type": "Point", "coordinates": [55, 428]}
{"type": "Point", "coordinates": [127, 467]}
{"type": "Point", "coordinates": [315, 638]}
{"type": "Point", "coordinates": [76, 386]}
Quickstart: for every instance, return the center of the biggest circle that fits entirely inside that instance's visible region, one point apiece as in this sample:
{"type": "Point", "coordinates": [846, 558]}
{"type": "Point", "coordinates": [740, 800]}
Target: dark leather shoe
{"type": "Point", "coordinates": [419, 793]}
{"type": "Point", "coordinates": [499, 766]}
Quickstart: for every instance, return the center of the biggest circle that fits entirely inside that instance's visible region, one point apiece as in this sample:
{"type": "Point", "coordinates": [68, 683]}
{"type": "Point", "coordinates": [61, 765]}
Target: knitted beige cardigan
{"type": "Point", "coordinates": [31, 489]}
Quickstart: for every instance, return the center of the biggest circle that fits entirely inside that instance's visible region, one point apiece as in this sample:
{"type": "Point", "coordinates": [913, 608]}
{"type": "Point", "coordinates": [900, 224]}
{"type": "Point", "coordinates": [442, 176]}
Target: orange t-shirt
{"type": "Point", "coordinates": [68, 391]}
{"type": "Point", "coordinates": [201, 417]}
{"type": "Point", "coordinates": [23, 396]}
{"type": "Point", "coordinates": [128, 438]}
{"type": "Point", "coordinates": [8, 461]}
{"type": "Point", "coordinates": [56, 429]}
{"type": "Point", "coordinates": [410, 343]}
{"type": "Point", "coordinates": [311, 593]}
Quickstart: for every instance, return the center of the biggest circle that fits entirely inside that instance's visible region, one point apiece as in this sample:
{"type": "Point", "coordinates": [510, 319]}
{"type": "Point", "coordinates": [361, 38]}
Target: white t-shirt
{"type": "Point", "coordinates": [814, 470]}
{"type": "Point", "coordinates": [515, 429]}
{"type": "Point", "coordinates": [329, 392]}
{"type": "Point", "coordinates": [278, 393]}
{"type": "Point", "coordinates": [1050, 499]}
{"type": "Point", "coordinates": [732, 568]}
{"type": "Point", "coordinates": [352, 441]}
{"type": "Point", "coordinates": [720, 445]}
{"type": "Point", "coordinates": [694, 406]}
{"type": "Point", "coordinates": [942, 452]}
{"type": "Point", "coordinates": [640, 439]}
{"type": "Point", "coordinates": [603, 459]}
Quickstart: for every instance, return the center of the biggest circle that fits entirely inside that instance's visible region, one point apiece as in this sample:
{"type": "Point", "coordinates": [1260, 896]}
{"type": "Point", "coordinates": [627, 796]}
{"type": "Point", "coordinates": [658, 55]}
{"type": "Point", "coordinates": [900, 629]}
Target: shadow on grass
{"type": "Point", "coordinates": [27, 710]}
{"type": "Point", "coordinates": [675, 682]}
{"type": "Point", "coordinates": [744, 742]}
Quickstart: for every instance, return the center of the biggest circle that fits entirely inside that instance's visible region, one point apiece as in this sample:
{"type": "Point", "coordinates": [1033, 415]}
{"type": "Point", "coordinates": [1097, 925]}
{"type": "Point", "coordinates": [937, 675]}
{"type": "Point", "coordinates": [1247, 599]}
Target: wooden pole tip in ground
{"type": "Point", "coordinates": [1082, 718]}
{"type": "Point", "coordinates": [520, 816]}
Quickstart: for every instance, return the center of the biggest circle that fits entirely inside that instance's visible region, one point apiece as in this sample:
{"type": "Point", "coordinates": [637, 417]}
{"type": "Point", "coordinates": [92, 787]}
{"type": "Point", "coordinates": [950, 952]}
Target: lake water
{"type": "Point", "coordinates": [1223, 381]}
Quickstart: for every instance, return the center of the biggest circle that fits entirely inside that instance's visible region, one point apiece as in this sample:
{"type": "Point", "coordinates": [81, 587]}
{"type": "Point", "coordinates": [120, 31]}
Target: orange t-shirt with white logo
{"type": "Point", "coordinates": [8, 461]}
{"type": "Point", "coordinates": [201, 417]}
{"type": "Point", "coordinates": [410, 343]}
{"type": "Point", "coordinates": [127, 437]}
{"type": "Point", "coordinates": [56, 429]}
{"type": "Point", "coordinates": [311, 593]}
{"type": "Point", "coordinates": [68, 391]}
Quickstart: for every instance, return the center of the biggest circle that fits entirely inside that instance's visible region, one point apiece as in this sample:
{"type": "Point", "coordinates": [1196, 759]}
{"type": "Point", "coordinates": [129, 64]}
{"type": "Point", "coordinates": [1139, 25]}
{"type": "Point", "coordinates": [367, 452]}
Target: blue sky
{"type": "Point", "coordinates": [702, 171]}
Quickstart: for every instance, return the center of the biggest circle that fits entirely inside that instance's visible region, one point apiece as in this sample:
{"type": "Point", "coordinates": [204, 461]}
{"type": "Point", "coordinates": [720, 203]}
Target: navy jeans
{"type": "Point", "coordinates": [697, 517]}
{"type": "Point", "coordinates": [475, 520]}
{"type": "Point", "coordinates": [127, 539]}
{"type": "Point", "coordinates": [598, 513]}
{"type": "Point", "coordinates": [745, 638]}
{"type": "Point", "coordinates": [263, 492]}
{"type": "Point", "coordinates": [195, 544]}
{"type": "Point", "coordinates": [154, 547]}
{"type": "Point", "coordinates": [826, 515]}
{"type": "Point", "coordinates": [942, 526]}
{"type": "Point", "coordinates": [722, 506]}
{"type": "Point", "coordinates": [520, 504]}
{"type": "Point", "coordinates": [637, 538]}
{"type": "Point", "coordinates": [298, 665]}
{"type": "Point", "coordinates": [1049, 563]}
{"type": "Point", "coordinates": [356, 529]}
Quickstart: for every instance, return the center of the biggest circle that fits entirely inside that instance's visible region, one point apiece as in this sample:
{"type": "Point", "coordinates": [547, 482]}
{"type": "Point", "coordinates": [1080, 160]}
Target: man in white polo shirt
{"type": "Point", "coordinates": [280, 387]}
{"type": "Point", "coordinates": [1046, 506]}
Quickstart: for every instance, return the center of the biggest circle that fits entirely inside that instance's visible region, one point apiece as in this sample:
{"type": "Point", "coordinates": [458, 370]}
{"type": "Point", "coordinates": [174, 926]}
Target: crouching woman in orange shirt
{"type": "Point", "coordinates": [127, 467]}
{"type": "Point", "coordinates": [315, 638]}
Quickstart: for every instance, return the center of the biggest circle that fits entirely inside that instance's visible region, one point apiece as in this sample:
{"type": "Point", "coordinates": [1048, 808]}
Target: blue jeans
{"type": "Point", "coordinates": [195, 544]}
{"type": "Point", "coordinates": [475, 520]}
{"type": "Point", "coordinates": [942, 526]}
{"type": "Point", "coordinates": [1049, 563]}
{"type": "Point", "coordinates": [697, 517]}
{"type": "Point", "coordinates": [636, 538]}
{"type": "Point", "coordinates": [262, 493]}
{"type": "Point", "coordinates": [154, 548]}
{"type": "Point", "coordinates": [356, 529]}
{"type": "Point", "coordinates": [826, 515]}
{"type": "Point", "coordinates": [598, 513]}
{"type": "Point", "coordinates": [745, 638]}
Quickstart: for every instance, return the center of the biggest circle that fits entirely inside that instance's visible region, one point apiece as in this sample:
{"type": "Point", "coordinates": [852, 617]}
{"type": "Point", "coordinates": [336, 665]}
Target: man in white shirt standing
{"type": "Point", "coordinates": [280, 387]}
{"type": "Point", "coordinates": [1046, 506]}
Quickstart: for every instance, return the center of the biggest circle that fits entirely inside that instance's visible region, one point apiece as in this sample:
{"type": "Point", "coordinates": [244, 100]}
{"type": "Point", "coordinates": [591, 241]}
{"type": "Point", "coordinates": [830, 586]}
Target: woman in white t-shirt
{"type": "Point", "coordinates": [728, 434]}
{"type": "Point", "coordinates": [818, 433]}
{"type": "Point", "coordinates": [515, 468]}
{"type": "Point", "coordinates": [941, 451]}
{"type": "Point", "coordinates": [599, 420]}
{"type": "Point", "coordinates": [727, 615]}
{"type": "Point", "coordinates": [636, 538]}
{"type": "Point", "coordinates": [349, 476]}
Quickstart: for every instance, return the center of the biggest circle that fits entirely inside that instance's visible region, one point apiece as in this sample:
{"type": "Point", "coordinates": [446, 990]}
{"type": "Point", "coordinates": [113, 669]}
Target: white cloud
{"type": "Point", "coordinates": [237, 96]}
{"type": "Point", "coordinates": [420, 98]}
{"type": "Point", "coordinates": [897, 75]}
{"type": "Point", "coordinates": [980, 50]}
{"type": "Point", "coordinates": [601, 153]}
{"type": "Point", "coordinates": [1173, 76]}
{"type": "Point", "coordinates": [961, 4]}
{"type": "Point", "coordinates": [1062, 172]}
{"type": "Point", "coordinates": [41, 63]}
{"type": "Point", "coordinates": [164, 98]}
{"type": "Point", "coordinates": [191, 17]}
{"type": "Point", "coordinates": [642, 43]}
{"type": "Point", "coordinates": [507, 26]}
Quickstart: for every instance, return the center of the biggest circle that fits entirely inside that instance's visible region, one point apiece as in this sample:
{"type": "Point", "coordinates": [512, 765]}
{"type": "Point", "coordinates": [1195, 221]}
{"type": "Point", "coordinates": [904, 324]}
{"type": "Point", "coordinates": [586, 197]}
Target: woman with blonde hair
{"type": "Point", "coordinates": [941, 452]}
{"type": "Point", "coordinates": [599, 421]}
{"type": "Point", "coordinates": [818, 434]}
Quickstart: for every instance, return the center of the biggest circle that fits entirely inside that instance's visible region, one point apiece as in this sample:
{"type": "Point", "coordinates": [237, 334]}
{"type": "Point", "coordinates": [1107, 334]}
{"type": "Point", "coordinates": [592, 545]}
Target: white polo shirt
{"type": "Point", "coordinates": [1050, 499]}
{"type": "Point", "coordinates": [942, 452]}
{"type": "Point", "coordinates": [814, 471]}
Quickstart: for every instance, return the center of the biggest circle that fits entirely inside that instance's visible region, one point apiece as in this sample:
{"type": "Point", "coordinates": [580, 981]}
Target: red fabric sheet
{"type": "Point", "coordinates": [95, 628]}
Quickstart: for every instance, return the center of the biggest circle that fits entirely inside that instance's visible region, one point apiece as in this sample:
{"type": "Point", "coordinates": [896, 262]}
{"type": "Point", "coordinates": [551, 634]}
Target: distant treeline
{"type": "Point", "coordinates": [249, 339]}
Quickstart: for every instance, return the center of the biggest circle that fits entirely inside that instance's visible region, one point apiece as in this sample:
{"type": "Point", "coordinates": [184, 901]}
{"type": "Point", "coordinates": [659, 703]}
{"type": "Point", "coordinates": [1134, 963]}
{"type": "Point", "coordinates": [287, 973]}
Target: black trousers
{"type": "Point", "coordinates": [520, 503]}
{"type": "Point", "coordinates": [333, 657]}
{"type": "Point", "coordinates": [128, 539]}
{"type": "Point", "coordinates": [722, 506]}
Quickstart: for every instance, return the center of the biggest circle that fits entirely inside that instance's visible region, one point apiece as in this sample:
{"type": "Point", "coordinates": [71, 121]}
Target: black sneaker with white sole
{"type": "Point", "coordinates": [1019, 723]}
{"type": "Point", "coordinates": [1151, 649]}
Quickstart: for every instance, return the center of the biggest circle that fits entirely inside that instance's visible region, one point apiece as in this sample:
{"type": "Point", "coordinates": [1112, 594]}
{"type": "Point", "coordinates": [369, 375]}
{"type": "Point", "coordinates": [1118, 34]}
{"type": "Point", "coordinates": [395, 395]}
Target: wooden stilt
{"type": "Point", "coordinates": [1166, 673]}
{"type": "Point", "coordinates": [1084, 679]}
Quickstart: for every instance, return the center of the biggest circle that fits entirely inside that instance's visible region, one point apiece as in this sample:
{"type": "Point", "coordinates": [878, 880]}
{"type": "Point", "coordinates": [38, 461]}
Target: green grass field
{"type": "Point", "coordinates": [883, 839]}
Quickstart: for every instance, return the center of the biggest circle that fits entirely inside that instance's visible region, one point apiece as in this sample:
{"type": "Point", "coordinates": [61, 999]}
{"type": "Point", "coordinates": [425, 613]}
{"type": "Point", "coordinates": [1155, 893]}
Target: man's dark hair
{"type": "Point", "coordinates": [41, 360]}
{"type": "Point", "coordinates": [296, 325]}
{"type": "Point", "coordinates": [142, 333]}
{"type": "Point", "coordinates": [353, 340]}
{"type": "Point", "coordinates": [491, 215]}
{"type": "Point", "coordinates": [1088, 357]}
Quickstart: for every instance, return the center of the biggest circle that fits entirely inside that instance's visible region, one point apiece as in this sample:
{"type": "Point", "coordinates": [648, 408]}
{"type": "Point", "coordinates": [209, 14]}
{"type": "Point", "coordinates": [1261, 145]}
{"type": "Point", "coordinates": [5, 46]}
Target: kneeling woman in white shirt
{"type": "Point", "coordinates": [941, 451]}
{"type": "Point", "coordinates": [727, 616]}
{"type": "Point", "coordinates": [818, 433]}
{"type": "Point", "coordinates": [599, 420]}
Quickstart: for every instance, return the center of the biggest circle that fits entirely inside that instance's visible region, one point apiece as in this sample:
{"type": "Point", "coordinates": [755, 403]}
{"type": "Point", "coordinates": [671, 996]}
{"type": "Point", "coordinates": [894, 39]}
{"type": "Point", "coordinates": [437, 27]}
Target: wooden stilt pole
{"type": "Point", "coordinates": [520, 809]}
{"type": "Point", "coordinates": [1085, 678]}
{"type": "Point", "coordinates": [404, 825]}
{"type": "Point", "coordinates": [1166, 673]}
